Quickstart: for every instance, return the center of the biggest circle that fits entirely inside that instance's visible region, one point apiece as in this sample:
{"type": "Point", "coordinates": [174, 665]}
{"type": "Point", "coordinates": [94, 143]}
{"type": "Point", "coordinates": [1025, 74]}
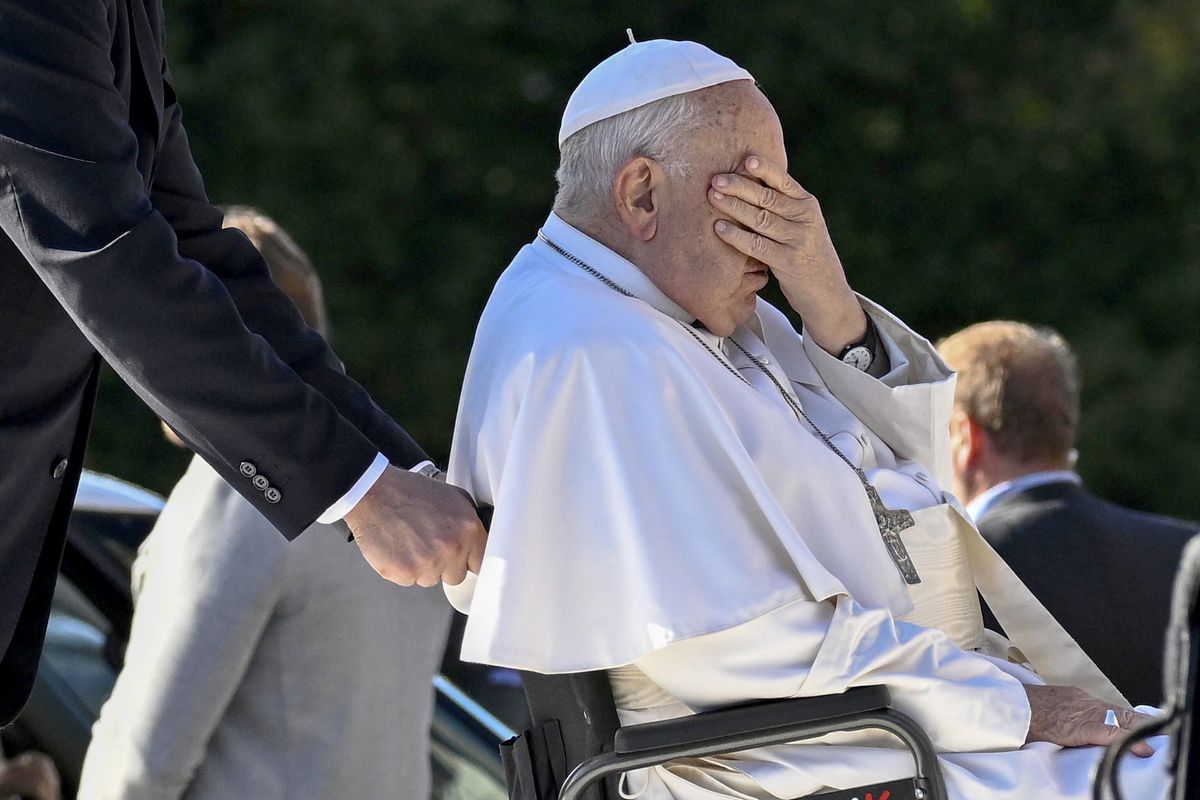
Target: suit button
{"type": "Point", "coordinates": [260, 482]}
{"type": "Point", "coordinates": [60, 468]}
{"type": "Point", "coordinates": [273, 495]}
{"type": "Point", "coordinates": [248, 469]}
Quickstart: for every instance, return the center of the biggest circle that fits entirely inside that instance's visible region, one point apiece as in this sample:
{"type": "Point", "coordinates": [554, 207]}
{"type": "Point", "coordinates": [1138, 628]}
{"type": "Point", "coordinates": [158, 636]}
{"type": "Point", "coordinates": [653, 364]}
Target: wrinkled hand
{"type": "Point", "coordinates": [412, 529]}
{"type": "Point", "coordinates": [1071, 717]}
{"type": "Point", "coordinates": [779, 223]}
{"type": "Point", "coordinates": [30, 775]}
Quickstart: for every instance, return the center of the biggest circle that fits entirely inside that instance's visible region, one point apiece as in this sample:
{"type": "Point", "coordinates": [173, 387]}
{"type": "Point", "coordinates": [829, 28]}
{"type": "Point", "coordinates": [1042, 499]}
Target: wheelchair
{"type": "Point", "coordinates": [575, 748]}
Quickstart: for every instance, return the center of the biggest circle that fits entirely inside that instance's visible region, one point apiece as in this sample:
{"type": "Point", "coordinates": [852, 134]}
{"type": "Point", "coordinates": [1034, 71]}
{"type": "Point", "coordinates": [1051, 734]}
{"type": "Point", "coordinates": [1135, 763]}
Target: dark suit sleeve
{"type": "Point", "coordinates": [184, 311]}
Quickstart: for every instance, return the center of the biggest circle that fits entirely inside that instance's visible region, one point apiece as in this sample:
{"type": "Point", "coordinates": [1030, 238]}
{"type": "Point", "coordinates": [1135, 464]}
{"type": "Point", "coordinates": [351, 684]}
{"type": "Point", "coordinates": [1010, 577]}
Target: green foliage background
{"type": "Point", "coordinates": [975, 159]}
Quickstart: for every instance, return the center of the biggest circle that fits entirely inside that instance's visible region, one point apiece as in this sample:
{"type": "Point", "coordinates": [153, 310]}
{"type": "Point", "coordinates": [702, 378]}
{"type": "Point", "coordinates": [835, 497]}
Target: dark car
{"type": "Point", "coordinates": [89, 627]}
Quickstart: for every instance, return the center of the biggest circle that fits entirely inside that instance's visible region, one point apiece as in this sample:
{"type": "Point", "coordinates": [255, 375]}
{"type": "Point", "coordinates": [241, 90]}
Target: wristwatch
{"type": "Point", "coordinates": [861, 354]}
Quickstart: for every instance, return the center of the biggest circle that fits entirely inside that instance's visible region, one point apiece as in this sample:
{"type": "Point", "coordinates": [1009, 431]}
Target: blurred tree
{"type": "Point", "coordinates": [975, 159]}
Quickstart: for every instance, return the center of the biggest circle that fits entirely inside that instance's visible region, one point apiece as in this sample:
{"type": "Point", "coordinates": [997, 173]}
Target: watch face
{"type": "Point", "coordinates": [858, 357]}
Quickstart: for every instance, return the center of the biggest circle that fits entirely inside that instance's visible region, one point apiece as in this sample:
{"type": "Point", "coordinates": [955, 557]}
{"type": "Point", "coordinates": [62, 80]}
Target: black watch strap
{"type": "Point", "coordinates": [861, 354]}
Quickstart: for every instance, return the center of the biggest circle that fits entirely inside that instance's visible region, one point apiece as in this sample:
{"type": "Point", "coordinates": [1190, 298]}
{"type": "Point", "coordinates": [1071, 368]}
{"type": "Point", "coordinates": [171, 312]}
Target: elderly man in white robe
{"type": "Point", "coordinates": [717, 508]}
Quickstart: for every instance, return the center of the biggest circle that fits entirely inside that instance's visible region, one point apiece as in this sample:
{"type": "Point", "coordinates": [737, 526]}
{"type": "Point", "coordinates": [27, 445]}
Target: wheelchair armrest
{"type": "Point", "coordinates": [748, 719]}
{"type": "Point", "coordinates": [746, 727]}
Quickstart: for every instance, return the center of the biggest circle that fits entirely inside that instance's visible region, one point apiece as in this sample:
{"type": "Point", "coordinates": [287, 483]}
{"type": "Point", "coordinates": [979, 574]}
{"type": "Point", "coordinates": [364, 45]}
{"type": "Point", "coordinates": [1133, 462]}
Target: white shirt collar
{"type": "Point", "coordinates": [981, 504]}
{"type": "Point", "coordinates": [613, 266]}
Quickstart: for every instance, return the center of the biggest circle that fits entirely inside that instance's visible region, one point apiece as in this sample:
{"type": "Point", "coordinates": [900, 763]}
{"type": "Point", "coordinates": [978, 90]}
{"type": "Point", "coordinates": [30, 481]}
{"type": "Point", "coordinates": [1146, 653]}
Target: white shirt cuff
{"type": "Point", "coordinates": [349, 500]}
{"type": "Point", "coordinates": [423, 465]}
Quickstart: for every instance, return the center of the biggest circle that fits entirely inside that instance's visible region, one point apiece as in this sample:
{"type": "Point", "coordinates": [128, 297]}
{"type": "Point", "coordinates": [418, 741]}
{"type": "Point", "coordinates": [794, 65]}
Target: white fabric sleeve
{"type": "Point", "coordinates": [913, 359]}
{"type": "Point", "coordinates": [346, 503]}
{"type": "Point", "coordinates": [209, 591]}
{"type": "Point", "coordinates": [910, 406]}
{"type": "Point", "coordinates": [962, 700]}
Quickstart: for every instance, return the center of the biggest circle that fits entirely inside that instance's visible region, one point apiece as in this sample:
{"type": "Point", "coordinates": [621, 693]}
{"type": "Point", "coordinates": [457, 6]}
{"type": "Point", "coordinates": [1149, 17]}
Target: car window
{"type": "Point", "coordinates": [74, 651]}
{"type": "Point", "coordinates": [465, 765]}
{"type": "Point", "coordinates": [116, 534]}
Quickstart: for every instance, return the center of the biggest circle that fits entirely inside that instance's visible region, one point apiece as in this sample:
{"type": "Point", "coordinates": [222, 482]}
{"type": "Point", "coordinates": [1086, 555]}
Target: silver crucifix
{"type": "Point", "coordinates": [890, 523]}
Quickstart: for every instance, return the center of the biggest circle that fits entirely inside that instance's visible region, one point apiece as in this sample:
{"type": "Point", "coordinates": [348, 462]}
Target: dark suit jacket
{"type": "Point", "coordinates": [109, 248]}
{"type": "Point", "coordinates": [1105, 572]}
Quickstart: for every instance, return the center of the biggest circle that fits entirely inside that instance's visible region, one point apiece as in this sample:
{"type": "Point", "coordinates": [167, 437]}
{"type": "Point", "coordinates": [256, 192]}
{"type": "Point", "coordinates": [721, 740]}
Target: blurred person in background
{"type": "Point", "coordinates": [262, 668]}
{"type": "Point", "coordinates": [1013, 434]}
{"type": "Point", "coordinates": [28, 775]}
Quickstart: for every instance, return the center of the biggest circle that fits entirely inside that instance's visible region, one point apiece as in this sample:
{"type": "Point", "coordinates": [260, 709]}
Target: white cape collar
{"type": "Point", "coordinates": [610, 263]}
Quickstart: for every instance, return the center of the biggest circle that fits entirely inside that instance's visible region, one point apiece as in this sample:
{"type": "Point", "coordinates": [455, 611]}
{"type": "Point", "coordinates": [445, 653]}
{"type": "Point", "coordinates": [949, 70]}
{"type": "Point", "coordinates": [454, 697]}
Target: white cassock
{"type": "Point", "coordinates": [658, 516]}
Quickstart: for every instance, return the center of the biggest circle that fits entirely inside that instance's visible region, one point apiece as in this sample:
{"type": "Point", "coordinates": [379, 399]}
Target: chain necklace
{"type": "Point", "coordinates": [889, 521]}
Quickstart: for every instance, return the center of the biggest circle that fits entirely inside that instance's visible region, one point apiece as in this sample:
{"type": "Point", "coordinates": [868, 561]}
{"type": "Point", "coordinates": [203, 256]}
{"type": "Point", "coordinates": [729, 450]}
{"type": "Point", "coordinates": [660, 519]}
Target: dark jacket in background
{"type": "Point", "coordinates": [1105, 572]}
{"type": "Point", "coordinates": [110, 249]}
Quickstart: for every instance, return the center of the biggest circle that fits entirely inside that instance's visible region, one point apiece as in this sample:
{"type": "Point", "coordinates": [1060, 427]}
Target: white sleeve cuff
{"type": "Point", "coordinates": [349, 500]}
{"type": "Point", "coordinates": [421, 468]}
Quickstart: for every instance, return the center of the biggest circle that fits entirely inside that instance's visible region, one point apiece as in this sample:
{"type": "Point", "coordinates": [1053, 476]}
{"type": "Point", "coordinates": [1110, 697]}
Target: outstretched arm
{"type": "Point", "coordinates": [75, 200]}
{"type": "Point", "coordinates": [183, 310]}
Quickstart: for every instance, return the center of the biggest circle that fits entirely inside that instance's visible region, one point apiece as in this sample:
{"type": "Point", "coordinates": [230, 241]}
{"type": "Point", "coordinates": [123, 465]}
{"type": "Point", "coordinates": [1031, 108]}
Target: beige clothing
{"type": "Point", "coordinates": [971, 706]}
{"type": "Point", "coordinates": [266, 669]}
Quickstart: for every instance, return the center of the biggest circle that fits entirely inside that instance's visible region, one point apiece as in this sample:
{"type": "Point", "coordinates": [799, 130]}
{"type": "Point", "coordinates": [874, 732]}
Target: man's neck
{"type": "Point", "coordinates": [999, 471]}
{"type": "Point", "coordinates": [981, 502]}
{"type": "Point", "coordinates": [592, 227]}
{"type": "Point", "coordinates": [605, 232]}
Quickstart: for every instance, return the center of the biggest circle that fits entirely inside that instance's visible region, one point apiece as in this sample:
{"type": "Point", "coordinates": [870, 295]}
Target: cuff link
{"type": "Point", "coordinates": [429, 470]}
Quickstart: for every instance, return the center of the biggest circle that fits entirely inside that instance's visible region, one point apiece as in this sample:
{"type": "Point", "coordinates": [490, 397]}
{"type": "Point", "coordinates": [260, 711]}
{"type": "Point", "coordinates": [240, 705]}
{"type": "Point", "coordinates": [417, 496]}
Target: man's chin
{"type": "Point", "coordinates": [721, 328]}
{"type": "Point", "coordinates": [727, 326]}
{"type": "Point", "coordinates": [750, 308]}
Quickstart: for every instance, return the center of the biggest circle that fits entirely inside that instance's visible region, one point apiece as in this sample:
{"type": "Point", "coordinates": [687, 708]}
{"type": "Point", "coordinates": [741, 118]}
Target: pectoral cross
{"type": "Point", "coordinates": [890, 523]}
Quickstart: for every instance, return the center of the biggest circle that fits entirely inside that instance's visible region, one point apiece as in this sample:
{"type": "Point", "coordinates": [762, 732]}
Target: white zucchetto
{"type": "Point", "coordinates": [642, 73]}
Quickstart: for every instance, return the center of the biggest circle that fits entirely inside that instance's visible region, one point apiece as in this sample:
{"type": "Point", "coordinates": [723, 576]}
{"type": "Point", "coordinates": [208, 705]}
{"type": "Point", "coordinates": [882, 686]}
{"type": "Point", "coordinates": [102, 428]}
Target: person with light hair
{"type": "Point", "coordinates": [1013, 434]}
{"type": "Point", "coordinates": [716, 505]}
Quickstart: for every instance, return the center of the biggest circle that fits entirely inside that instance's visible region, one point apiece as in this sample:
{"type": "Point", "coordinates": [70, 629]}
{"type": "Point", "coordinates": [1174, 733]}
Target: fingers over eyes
{"type": "Point", "coordinates": [775, 176]}
{"type": "Point", "coordinates": [749, 216]}
{"type": "Point", "coordinates": [760, 196]}
{"type": "Point", "coordinates": [752, 244]}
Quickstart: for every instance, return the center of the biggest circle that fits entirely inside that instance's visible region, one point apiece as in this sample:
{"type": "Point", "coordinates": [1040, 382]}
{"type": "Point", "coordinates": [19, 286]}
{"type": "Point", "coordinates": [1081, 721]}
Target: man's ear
{"type": "Point", "coordinates": [637, 190]}
{"type": "Point", "coordinates": [967, 441]}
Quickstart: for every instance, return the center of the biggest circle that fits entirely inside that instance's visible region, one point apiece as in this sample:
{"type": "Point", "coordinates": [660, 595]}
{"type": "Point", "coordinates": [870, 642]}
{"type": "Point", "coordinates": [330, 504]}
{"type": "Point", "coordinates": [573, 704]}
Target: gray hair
{"type": "Point", "coordinates": [591, 157]}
